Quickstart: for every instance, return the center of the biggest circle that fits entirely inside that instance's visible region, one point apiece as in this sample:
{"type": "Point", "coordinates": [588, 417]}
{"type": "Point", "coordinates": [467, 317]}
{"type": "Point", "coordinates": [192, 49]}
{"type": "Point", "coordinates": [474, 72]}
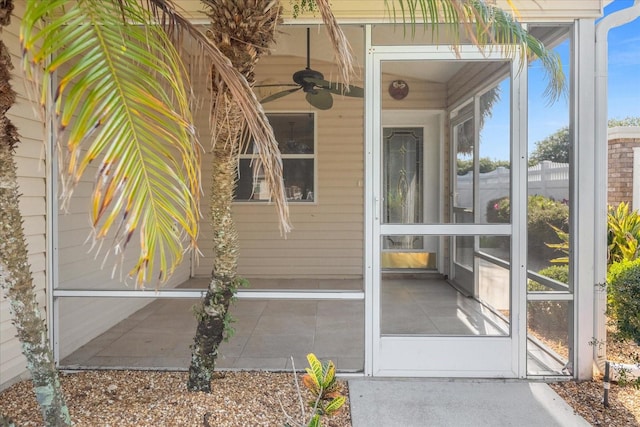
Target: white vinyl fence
{"type": "Point", "coordinates": [546, 179]}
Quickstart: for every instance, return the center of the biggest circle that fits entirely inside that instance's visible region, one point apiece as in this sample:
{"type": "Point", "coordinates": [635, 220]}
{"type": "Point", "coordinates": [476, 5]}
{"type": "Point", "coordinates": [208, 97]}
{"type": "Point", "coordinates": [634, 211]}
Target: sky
{"type": "Point", "coordinates": [624, 66]}
{"type": "Point", "coordinates": [545, 119]}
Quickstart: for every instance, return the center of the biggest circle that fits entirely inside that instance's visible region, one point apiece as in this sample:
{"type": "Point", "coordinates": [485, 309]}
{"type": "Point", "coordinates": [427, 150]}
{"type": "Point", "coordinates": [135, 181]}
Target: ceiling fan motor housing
{"type": "Point", "coordinates": [301, 77]}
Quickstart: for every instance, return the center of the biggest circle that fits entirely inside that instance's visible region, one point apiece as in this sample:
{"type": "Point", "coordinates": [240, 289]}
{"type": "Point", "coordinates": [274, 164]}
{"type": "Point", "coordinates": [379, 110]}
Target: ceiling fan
{"type": "Point", "coordinates": [318, 90]}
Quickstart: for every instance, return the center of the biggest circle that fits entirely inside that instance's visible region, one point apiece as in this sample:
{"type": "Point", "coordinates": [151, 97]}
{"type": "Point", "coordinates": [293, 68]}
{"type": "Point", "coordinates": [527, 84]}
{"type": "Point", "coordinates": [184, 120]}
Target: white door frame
{"type": "Point", "coordinates": [419, 119]}
{"type": "Point", "coordinates": [506, 356]}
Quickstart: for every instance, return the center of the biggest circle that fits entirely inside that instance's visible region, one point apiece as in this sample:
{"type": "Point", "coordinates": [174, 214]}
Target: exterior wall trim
{"type": "Point", "coordinates": [623, 132]}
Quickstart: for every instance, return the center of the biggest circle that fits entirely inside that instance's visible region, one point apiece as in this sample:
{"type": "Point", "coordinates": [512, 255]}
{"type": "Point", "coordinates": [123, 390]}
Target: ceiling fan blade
{"type": "Point", "coordinates": [337, 88]}
{"type": "Point", "coordinates": [279, 94]}
{"type": "Point", "coordinates": [321, 99]}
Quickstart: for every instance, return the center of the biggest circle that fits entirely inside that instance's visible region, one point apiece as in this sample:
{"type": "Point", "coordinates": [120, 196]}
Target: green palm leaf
{"type": "Point", "coordinates": [483, 25]}
{"type": "Point", "coordinates": [120, 99]}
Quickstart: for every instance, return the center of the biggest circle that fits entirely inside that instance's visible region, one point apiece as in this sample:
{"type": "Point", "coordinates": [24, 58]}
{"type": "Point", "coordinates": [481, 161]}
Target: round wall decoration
{"type": "Point", "coordinates": [398, 89]}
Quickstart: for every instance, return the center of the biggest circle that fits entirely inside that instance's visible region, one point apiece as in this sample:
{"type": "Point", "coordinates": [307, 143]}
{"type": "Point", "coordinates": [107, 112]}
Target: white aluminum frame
{"type": "Point", "coordinates": [411, 118]}
{"type": "Point", "coordinates": [291, 157]}
{"type": "Point", "coordinates": [582, 101]}
{"type": "Point", "coordinates": [587, 169]}
{"type": "Point", "coordinates": [52, 209]}
{"type": "Point", "coordinates": [374, 228]}
{"type": "Point", "coordinates": [199, 293]}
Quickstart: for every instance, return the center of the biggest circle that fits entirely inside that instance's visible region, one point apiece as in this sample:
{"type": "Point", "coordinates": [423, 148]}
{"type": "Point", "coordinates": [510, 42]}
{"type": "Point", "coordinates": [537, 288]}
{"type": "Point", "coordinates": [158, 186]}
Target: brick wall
{"type": "Point", "coordinates": [622, 141]}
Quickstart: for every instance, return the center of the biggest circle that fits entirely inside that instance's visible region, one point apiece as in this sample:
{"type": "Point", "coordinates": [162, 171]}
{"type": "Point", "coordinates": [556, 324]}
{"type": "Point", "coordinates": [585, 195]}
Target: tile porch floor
{"type": "Point", "coordinates": [269, 332]}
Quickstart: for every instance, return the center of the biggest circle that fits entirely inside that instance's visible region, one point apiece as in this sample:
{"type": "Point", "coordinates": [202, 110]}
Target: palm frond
{"type": "Point", "coordinates": [257, 124]}
{"type": "Point", "coordinates": [486, 26]}
{"type": "Point", "coordinates": [341, 48]}
{"type": "Point", "coordinates": [120, 99]}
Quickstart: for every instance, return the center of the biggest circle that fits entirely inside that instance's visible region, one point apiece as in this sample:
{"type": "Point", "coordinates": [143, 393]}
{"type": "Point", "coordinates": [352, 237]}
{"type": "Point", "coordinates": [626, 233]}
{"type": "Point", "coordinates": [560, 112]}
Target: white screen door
{"type": "Point", "coordinates": [442, 299]}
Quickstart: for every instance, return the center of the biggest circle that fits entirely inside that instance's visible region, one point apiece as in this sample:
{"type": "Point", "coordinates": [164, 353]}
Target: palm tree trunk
{"type": "Point", "coordinates": [17, 283]}
{"type": "Point", "coordinates": [243, 30]}
{"type": "Point", "coordinates": [15, 275]}
{"type": "Point", "coordinates": [212, 314]}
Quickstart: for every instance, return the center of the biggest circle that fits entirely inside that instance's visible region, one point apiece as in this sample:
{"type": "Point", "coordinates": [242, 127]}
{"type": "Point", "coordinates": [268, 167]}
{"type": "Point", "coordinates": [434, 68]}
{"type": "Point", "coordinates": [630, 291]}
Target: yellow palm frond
{"type": "Point", "coordinates": [257, 124]}
{"type": "Point", "coordinates": [342, 50]}
{"type": "Point", "coordinates": [120, 99]}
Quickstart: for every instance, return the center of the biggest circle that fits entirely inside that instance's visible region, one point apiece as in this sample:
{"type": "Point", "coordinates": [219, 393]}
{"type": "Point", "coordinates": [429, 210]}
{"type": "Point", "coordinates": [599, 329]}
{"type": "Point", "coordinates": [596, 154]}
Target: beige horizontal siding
{"type": "Point", "coordinates": [35, 165]}
{"type": "Point", "coordinates": [294, 244]}
{"type": "Point", "coordinates": [72, 221]}
{"type": "Point", "coordinates": [13, 367]}
{"type": "Point", "coordinates": [423, 95]}
{"type": "Point", "coordinates": [32, 185]}
{"type": "Point", "coordinates": [327, 238]}
{"type": "Point", "coordinates": [294, 269]}
{"type": "Point", "coordinates": [12, 362]}
{"type": "Point", "coordinates": [74, 238]}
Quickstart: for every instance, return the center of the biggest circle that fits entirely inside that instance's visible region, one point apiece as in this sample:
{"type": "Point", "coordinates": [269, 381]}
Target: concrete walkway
{"type": "Point", "coordinates": [433, 402]}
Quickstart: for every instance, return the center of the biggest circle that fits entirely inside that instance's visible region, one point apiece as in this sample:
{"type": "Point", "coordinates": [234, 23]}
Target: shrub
{"type": "Point", "coordinates": [499, 210]}
{"type": "Point", "coordinates": [562, 246]}
{"type": "Point", "coordinates": [327, 398]}
{"type": "Point", "coordinates": [555, 272]}
{"type": "Point", "coordinates": [623, 233]}
{"type": "Point", "coordinates": [549, 318]}
{"type": "Point", "coordinates": [624, 298]}
{"type": "Point", "coordinates": [543, 215]}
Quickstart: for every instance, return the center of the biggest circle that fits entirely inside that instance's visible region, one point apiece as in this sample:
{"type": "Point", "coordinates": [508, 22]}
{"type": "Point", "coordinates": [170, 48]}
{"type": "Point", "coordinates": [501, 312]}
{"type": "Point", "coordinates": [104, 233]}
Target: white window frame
{"type": "Point", "coordinates": [313, 156]}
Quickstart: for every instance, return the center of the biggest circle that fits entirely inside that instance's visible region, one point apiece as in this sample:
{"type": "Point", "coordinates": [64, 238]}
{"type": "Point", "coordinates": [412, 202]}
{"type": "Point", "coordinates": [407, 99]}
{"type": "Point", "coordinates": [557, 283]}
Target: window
{"type": "Point", "coordinates": [295, 133]}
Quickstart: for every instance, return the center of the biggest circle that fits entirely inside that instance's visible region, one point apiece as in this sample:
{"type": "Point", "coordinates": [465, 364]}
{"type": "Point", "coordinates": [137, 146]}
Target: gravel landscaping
{"type": "Point", "coordinates": [151, 398]}
{"type": "Point", "coordinates": [624, 399]}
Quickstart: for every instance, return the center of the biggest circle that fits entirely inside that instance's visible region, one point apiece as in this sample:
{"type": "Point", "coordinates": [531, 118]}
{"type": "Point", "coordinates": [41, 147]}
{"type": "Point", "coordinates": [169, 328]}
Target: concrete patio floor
{"type": "Point", "coordinates": [269, 332]}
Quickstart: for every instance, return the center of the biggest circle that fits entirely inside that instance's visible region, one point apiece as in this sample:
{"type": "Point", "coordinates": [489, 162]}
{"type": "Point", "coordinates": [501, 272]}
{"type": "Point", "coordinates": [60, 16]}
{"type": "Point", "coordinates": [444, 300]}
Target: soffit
{"type": "Point", "coordinates": [291, 42]}
{"type": "Point", "coordinates": [376, 11]}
